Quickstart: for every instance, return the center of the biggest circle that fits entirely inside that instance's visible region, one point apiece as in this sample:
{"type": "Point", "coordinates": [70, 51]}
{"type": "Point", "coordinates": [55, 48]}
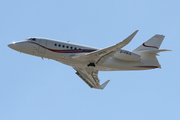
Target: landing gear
{"type": "Point", "coordinates": [91, 64]}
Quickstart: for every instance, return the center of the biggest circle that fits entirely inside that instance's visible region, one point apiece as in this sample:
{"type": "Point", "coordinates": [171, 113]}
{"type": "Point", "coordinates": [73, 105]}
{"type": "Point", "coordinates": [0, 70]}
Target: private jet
{"type": "Point", "coordinates": [88, 61]}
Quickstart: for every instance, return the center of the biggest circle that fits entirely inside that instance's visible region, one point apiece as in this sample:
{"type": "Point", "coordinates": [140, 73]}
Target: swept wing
{"type": "Point", "coordinates": [100, 56]}
{"type": "Point", "coordinates": [90, 75]}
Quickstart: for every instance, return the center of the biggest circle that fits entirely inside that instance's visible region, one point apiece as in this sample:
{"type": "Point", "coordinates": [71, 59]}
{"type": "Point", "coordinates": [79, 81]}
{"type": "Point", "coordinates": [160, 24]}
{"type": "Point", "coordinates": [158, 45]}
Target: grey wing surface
{"type": "Point", "coordinates": [90, 77]}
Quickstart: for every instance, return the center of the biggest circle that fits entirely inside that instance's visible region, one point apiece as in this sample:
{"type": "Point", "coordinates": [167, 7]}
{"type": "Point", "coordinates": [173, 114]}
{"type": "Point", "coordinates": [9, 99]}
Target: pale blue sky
{"type": "Point", "coordinates": [36, 89]}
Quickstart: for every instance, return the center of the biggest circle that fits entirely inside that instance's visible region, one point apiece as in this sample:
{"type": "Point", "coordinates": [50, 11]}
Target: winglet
{"type": "Point", "coordinates": [129, 38]}
{"type": "Point", "coordinates": [104, 84]}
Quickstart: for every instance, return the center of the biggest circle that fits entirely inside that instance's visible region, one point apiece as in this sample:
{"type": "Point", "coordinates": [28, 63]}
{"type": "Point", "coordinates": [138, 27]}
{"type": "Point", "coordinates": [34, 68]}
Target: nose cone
{"type": "Point", "coordinates": [11, 45]}
{"type": "Point", "coordinates": [15, 46]}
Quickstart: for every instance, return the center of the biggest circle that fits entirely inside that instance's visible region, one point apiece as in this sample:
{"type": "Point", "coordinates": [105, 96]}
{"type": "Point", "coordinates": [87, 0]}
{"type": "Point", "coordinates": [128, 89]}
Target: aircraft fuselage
{"type": "Point", "coordinates": [63, 52]}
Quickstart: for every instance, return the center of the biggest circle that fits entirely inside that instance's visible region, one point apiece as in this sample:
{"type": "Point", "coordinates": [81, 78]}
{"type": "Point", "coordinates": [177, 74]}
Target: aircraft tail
{"type": "Point", "coordinates": [151, 44]}
{"type": "Point", "coordinates": [149, 49]}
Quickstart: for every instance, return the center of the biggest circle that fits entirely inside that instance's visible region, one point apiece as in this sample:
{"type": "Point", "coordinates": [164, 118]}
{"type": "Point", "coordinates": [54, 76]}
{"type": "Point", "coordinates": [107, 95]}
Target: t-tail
{"type": "Point", "coordinates": [148, 51]}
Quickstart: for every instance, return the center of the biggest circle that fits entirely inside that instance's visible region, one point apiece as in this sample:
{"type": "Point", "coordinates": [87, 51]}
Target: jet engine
{"type": "Point", "coordinates": [127, 55]}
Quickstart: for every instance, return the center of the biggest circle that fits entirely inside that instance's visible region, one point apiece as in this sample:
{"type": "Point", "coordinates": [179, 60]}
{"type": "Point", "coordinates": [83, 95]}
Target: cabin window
{"type": "Point", "coordinates": [84, 50]}
{"type": "Point", "coordinates": [71, 47]}
{"type": "Point", "coordinates": [63, 46]}
{"type": "Point", "coordinates": [59, 45]}
{"type": "Point", "coordinates": [79, 49]}
{"type": "Point", "coordinates": [67, 46]}
{"type": "Point", "coordinates": [55, 44]}
{"type": "Point", "coordinates": [75, 48]}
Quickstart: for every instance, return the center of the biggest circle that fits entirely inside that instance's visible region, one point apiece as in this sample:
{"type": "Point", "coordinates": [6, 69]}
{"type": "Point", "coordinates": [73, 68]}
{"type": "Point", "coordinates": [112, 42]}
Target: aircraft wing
{"type": "Point", "coordinates": [90, 77]}
{"type": "Point", "coordinates": [100, 56]}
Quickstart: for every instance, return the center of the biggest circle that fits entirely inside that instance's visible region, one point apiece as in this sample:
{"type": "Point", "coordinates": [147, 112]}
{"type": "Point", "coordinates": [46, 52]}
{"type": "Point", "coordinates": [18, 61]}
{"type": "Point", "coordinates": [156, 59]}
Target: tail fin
{"type": "Point", "coordinates": [149, 49]}
{"type": "Point", "coordinates": [152, 44]}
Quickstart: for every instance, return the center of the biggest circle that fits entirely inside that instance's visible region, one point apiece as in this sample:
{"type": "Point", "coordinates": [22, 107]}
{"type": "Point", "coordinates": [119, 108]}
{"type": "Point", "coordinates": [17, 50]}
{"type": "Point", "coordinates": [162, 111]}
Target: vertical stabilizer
{"type": "Point", "coordinates": [152, 44]}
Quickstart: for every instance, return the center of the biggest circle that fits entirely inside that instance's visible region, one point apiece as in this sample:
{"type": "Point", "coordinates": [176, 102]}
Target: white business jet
{"type": "Point", "coordinates": [87, 61]}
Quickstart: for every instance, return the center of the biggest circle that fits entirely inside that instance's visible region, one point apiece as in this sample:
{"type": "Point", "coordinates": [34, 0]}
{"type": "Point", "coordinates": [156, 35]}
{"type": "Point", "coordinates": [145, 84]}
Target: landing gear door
{"type": "Point", "coordinates": [42, 47]}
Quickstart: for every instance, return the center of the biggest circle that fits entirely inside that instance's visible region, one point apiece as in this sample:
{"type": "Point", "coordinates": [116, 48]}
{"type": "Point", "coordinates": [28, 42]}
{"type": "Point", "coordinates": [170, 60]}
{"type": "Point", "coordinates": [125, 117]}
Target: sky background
{"type": "Point", "coordinates": [36, 89]}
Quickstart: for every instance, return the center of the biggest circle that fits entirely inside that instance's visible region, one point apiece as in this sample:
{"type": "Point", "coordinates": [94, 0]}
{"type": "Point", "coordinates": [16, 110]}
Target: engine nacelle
{"type": "Point", "coordinates": [127, 55]}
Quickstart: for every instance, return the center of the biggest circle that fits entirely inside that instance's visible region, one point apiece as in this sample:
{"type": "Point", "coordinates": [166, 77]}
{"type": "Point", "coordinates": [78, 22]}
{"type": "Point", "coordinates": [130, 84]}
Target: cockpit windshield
{"type": "Point", "coordinates": [32, 39]}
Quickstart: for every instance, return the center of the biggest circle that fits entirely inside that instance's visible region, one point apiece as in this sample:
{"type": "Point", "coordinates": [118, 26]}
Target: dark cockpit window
{"type": "Point", "coordinates": [32, 39]}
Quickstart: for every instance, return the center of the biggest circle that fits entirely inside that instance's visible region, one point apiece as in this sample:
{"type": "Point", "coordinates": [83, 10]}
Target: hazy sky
{"type": "Point", "coordinates": [36, 89]}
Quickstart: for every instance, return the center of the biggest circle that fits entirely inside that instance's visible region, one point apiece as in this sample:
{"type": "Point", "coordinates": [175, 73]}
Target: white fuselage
{"type": "Point", "coordinates": [64, 51]}
{"type": "Point", "coordinates": [88, 61]}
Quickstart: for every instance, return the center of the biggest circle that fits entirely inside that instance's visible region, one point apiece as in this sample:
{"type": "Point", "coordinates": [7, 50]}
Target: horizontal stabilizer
{"type": "Point", "coordinates": [104, 84]}
{"type": "Point", "coordinates": [154, 51]}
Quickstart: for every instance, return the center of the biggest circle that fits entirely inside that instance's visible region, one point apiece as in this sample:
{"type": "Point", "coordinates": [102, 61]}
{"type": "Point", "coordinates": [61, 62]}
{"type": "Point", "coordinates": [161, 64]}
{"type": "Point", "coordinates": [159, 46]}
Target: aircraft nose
{"type": "Point", "coordinates": [15, 45]}
{"type": "Point", "coordinates": [11, 45]}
